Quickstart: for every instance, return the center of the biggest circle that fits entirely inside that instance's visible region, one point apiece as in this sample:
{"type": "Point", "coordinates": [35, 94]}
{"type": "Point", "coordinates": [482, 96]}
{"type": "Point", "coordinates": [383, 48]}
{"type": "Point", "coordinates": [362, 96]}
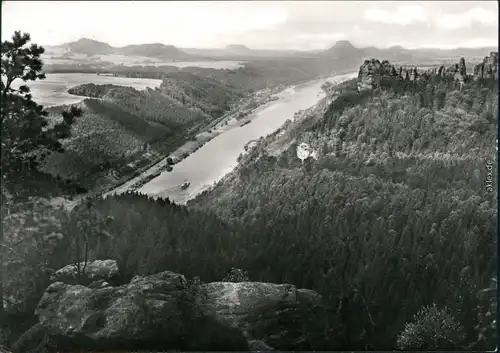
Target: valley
{"type": "Point", "coordinates": [159, 196]}
{"type": "Point", "coordinates": [171, 100]}
{"type": "Point", "coordinates": [207, 164]}
{"type": "Point", "coordinates": [185, 107]}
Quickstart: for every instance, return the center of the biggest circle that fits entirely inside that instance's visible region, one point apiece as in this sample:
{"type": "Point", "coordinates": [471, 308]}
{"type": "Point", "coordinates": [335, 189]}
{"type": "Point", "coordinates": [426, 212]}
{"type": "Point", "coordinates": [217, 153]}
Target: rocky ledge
{"type": "Point", "coordinates": [165, 312]}
{"type": "Point", "coordinates": [373, 71]}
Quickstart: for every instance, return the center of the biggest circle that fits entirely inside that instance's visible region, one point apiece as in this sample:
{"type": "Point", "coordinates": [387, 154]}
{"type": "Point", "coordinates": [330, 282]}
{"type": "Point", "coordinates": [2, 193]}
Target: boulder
{"type": "Point", "coordinates": [274, 314]}
{"type": "Point", "coordinates": [164, 311]}
{"type": "Point", "coordinates": [258, 346]}
{"type": "Point", "coordinates": [106, 270]}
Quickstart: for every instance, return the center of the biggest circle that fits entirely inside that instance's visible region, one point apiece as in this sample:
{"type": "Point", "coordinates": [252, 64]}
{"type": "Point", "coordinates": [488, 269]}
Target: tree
{"type": "Point", "coordinates": [26, 137]}
{"type": "Point", "coordinates": [86, 232]}
{"type": "Point", "coordinates": [431, 328]}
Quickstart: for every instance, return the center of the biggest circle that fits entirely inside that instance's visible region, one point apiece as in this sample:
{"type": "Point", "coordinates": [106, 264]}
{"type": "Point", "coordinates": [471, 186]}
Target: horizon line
{"type": "Point", "coordinates": [278, 49]}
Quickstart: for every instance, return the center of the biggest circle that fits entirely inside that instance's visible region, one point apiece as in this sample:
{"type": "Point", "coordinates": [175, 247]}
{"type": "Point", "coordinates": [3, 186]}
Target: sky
{"type": "Point", "coordinates": [303, 25]}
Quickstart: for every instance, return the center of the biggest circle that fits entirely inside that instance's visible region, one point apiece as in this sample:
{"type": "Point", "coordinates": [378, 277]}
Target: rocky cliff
{"type": "Point", "coordinates": [373, 71]}
{"type": "Point", "coordinates": [488, 68]}
{"type": "Point", "coordinates": [164, 311]}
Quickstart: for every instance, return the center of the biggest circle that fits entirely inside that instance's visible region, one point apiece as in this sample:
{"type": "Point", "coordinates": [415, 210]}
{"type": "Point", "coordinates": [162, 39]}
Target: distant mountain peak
{"type": "Point", "coordinates": [343, 48]}
{"type": "Point", "coordinates": [153, 50]}
{"type": "Point", "coordinates": [89, 46]}
{"type": "Point", "coordinates": [237, 47]}
{"type": "Point", "coordinates": [152, 45]}
{"type": "Point", "coordinates": [344, 44]}
{"type": "Point", "coordinates": [397, 47]}
{"type": "Point", "coordinates": [87, 40]}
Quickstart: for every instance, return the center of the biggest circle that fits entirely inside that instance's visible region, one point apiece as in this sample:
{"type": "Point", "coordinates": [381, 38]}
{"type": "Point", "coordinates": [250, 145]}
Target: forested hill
{"type": "Point", "coordinates": [123, 129]}
{"type": "Point", "coordinates": [396, 213]}
{"type": "Point", "coordinates": [390, 215]}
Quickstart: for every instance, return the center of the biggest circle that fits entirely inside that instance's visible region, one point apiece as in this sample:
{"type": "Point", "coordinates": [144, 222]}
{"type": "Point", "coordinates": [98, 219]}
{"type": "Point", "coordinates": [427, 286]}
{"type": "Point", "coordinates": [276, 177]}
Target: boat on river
{"type": "Point", "coordinates": [246, 122]}
{"type": "Point", "coordinates": [185, 185]}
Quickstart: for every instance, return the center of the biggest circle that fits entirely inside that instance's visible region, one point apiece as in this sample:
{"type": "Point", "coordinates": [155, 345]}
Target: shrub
{"type": "Point", "coordinates": [431, 328]}
{"type": "Point", "coordinates": [236, 275]}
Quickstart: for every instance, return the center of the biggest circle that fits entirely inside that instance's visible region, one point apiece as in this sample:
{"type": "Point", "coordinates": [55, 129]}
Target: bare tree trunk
{"type": "Point", "coordinates": [76, 259]}
{"type": "Point", "coordinates": [85, 260]}
{"type": "Point", "coordinates": [3, 258]}
{"type": "Point", "coordinates": [2, 261]}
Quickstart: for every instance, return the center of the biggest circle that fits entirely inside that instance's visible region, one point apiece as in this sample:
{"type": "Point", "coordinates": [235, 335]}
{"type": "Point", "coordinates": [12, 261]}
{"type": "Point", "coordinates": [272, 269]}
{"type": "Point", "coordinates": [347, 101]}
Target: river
{"type": "Point", "coordinates": [54, 89]}
{"type": "Point", "coordinates": [219, 156]}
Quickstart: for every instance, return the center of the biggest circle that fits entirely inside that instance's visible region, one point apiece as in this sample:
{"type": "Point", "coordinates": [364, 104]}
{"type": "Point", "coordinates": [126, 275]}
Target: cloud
{"type": "Point", "coordinates": [404, 15]}
{"type": "Point", "coordinates": [466, 19]}
{"type": "Point", "coordinates": [257, 24]}
{"type": "Point", "coordinates": [172, 22]}
{"type": "Point", "coordinates": [321, 36]}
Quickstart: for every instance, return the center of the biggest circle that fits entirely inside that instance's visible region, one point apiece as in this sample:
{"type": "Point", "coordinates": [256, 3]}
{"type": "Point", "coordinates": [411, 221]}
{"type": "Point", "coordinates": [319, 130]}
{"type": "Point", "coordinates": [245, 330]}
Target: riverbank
{"type": "Point", "coordinates": [149, 175]}
{"type": "Point", "coordinates": [228, 121]}
{"type": "Point", "coordinates": [219, 155]}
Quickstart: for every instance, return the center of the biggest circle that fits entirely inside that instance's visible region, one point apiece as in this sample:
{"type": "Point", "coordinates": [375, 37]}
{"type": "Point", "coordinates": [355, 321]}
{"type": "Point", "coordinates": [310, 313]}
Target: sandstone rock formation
{"type": "Point", "coordinates": [370, 74]}
{"type": "Point", "coordinates": [373, 71]}
{"type": "Point", "coordinates": [106, 270]}
{"type": "Point", "coordinates": [488, 68]}
{"type": "Point", "coordinates": [163, 311]}
{"type": "Point", "coordinates": [458, 71]}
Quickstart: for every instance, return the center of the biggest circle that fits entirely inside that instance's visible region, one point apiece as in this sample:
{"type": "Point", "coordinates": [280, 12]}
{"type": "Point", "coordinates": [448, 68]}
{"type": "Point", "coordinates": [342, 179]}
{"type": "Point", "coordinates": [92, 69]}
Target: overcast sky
{"type": "Point", "coordinates": [257, 24]}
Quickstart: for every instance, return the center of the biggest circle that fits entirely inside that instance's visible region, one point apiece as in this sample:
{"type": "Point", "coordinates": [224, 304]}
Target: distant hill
{"type": "Point", "coordinates": [457, 52]}
{"type": "Point", "coordinates": [343, 47]}
{"type": "Point", "coordinates": [89, 47]}
{"type": "Point", "coordinates": [237, 49]}
{"type": "Point", "coordinates": [92, 47]}
{"type": "Point", "coordinates": [155, 50]}
{"type": "Point", "coordinates": [345, 50]}
{"type": "Point", "coordinates": [241, 52]}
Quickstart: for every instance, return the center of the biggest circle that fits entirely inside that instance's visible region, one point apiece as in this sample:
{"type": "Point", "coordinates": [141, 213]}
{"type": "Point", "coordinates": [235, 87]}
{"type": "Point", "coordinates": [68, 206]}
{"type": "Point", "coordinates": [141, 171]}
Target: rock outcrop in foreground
{"type": "Point", "coordinates": [163, 311]}
{"type": "Point", "coordinates": [373, 71]}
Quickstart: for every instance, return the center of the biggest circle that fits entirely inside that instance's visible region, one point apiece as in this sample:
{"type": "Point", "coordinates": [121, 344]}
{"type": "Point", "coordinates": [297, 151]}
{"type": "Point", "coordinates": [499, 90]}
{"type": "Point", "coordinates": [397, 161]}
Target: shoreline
{"type": "Point", "coordinates": [149, 172]}
{"type": "Point", "coordinates": [210, 131]}
{"type": "Point", "coordinates": [228, 122]}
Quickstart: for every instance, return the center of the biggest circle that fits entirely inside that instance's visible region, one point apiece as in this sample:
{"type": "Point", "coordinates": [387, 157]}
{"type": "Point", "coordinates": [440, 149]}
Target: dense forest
{"type": "Point", "coordinates": [92, 90]}
{"type": "Point", "coordinates": [121, 123]}
{"type": "Point", "coordinates": [104, 141]}
{"type": "Point", "coordinates": [395, 215]}
{"type": "Point", "coordinates": [393, 224]}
